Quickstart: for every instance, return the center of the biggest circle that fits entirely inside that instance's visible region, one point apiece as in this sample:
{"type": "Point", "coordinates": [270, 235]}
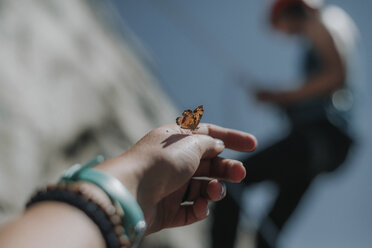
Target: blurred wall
{"type": "Point", "coordinates": [71, 88]}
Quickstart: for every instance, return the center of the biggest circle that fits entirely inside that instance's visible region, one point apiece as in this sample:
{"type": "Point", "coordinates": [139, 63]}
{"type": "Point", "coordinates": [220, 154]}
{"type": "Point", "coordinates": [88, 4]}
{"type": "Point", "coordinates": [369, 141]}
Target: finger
{"type": "Point", "coordinates": [194, 189]}
{"type": "Point", "coordinates": [206, 146]}
{"type": "Point", "coordinates": [233, 139]}
{"type": "Point", "coordinates": [191, 214]}
{"type": "Point", "coordinates": [215, 190]}
{"type": "Point", "coordinates": [221, 168]}
{"type": "Point", "coordinates": [212, 190]}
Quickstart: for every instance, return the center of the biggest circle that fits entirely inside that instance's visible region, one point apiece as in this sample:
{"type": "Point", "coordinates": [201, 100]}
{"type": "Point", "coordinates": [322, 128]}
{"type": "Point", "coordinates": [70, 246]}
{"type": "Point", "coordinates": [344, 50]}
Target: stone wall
{"type": "Point", "coordinates": [70, 88]}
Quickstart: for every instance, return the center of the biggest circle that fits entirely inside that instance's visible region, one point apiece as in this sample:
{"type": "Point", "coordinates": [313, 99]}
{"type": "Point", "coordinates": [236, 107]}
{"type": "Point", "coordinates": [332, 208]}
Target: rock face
{"type": "Point", "coordinates": [70, 88]}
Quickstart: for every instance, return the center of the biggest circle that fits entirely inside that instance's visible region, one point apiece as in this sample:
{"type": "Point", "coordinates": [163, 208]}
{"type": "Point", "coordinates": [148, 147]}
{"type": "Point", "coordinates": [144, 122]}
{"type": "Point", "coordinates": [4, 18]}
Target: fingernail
{"type": "Point", "coordinates": [237, 162]}
{"type": "Point", "coordinates": [223, 191]}
{"type": "Point", "coordinates": [207, 211]}
{"type": "Point", "coordinates": [220, 144]}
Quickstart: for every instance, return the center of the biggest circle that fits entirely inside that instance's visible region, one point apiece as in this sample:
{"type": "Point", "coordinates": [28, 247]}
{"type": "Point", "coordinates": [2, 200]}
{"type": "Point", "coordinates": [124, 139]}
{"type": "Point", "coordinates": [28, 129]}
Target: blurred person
{"type": "Point", "coordinates": [319, 112]}
{"type": "Point", "coordinates": [157, 172]}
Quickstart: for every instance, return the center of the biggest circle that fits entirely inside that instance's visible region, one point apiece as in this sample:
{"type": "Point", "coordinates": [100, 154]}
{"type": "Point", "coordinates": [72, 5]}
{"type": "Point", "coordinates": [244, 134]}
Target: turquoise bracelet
{"type": "Point", "coordinates": [133, 220]}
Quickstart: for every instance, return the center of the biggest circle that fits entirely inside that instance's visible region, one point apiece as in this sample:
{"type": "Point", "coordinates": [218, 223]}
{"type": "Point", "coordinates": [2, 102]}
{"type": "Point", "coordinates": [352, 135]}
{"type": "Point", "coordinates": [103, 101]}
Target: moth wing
{"type": "Point", "coordinates": [187, 112]}
{"type": "Point", "coordinates": [188, 122]}
{"type": "Point", "coordinates": [179, 120]}
{"type": "Point", "coordinates": [198, 113]}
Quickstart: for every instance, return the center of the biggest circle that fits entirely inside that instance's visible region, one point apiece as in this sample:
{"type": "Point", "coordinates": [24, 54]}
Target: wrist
{"type": "Point", "coordinates": [126, 170]}
{"type": "Point", "coordinates": [131, 172]}
{"type": "Point", "coordinates": [107, 177]}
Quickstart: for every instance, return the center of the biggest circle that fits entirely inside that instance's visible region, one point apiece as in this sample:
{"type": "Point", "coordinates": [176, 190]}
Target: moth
{"type": "Point", "coordinates": [190, 119]}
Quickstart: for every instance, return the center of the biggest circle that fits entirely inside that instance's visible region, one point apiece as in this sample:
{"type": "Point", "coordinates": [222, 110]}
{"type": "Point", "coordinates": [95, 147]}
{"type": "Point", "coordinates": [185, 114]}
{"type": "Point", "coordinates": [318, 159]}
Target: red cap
{"type": "Point", "coordinates": [279, 6]}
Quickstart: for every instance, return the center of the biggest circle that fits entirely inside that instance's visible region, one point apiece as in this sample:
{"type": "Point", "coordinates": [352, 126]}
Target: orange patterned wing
{"type": "Point", "coordinates": [190, 119]}
{"type": "Point", "coordinates": [187, 112]}
{"type": "Point", "coordinates": [198, 113]}
{"type": "Point", "coordinates": [182, 119]}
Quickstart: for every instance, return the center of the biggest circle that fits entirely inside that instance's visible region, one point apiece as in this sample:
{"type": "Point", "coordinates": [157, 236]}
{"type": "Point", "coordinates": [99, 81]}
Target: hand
{"type": "Point", "coordinates": [159, 169]}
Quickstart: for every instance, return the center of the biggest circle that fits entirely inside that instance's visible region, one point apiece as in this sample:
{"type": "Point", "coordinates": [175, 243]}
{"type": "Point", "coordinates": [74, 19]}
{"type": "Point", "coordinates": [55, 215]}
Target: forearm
{"type": "Point", "coordinates": [314, 87]}
{"type": "Point", "coordinates": [321, 86]}
{"type": "Point", "coordinates": [51, 224]}
{"type": "Point", "coordinates": [64, 224]}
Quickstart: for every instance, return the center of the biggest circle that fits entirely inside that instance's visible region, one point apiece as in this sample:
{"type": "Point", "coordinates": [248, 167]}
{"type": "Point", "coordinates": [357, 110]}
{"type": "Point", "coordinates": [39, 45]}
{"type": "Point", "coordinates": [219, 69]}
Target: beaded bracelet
{"type": "Point", "coordinates": [133, 222]}
{"type": "Point", "coordinates": [105, 215]}
{"type": "Point", "coordinates": [120, 209]}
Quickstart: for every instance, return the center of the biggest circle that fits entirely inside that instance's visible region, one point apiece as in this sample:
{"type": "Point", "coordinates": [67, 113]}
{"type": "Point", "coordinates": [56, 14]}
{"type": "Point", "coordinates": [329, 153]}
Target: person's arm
{"type": "Point", "coordinates": [51, 224]}
{"type": "Point", "coordinates": [331, 77]}
{"type": "Point", "coordinates": [333, 74]}
{"type": "Point", "coordinates": [157, 171]}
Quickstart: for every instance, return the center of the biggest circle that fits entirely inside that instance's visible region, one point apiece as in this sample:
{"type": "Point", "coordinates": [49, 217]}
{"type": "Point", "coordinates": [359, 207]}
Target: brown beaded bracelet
{"type": "Point", "coordinates": [106, 215]}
